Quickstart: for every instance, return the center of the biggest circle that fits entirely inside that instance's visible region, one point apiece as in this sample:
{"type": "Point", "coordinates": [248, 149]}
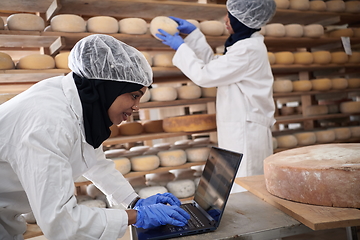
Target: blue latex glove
{"type": "Point", "coordinates": [160, 214]}
{"type": "Point", "coordinates": [165, 198]}
{"type": "Point", "coordinates": [174, 41]}
{"type": "Point", "coordinates": [184, 26]}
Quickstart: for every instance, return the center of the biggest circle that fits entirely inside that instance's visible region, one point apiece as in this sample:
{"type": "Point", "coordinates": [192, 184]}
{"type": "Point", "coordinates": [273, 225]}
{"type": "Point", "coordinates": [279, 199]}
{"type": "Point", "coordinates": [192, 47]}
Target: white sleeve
{"type": "Point", "coordinates": [197, 42]}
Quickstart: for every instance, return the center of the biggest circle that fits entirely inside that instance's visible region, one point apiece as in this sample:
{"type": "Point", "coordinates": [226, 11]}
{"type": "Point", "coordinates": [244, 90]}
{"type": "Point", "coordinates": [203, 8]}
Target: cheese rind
{"type": "Point", "coordinates": [188, 92]}
{"type": "Point", "coordinates": [302, 86]}
{"type": "Point", "coordinates": [313, 30]}
{"type": "Point", "coordinates": [190, 123]}
{"type": "Point", "coordinates": [182, 188]}
{"type": "Point", "coordinates": [322, 57]}
{"type": "Point", "coordinates": [130, 128]}
{"type": "Point", "coordinates": [61, 60]}
{"type": "Point", "coordinates": [212, 28]}
{"type": "Point", "coordinates": [68, 23]}
{"type": "Point", "coordinates": [25, 22]}
{"type": "Point", "coordinates": [6, 61]}
{"type": "Point", "coordinates": [133, 26]}
{"type": "Point", "coordinates": [165, 23]}
{"type": "Point", "coordinates": [36, 62]}
{"type": "Point", "coordinates": [145, 163]}
{"type": "Point", "coordinates": [102, 24]}
{"type": "Point", "coordinates": [282, 86]}
{"type": "Point", "coordinates": [172, 158]}
{"type": "Point", "coordinates": [163, 93]}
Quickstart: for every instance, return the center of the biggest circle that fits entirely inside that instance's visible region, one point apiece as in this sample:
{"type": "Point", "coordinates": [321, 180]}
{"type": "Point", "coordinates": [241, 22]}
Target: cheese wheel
{"type": "Point", "coordinates": [153, 126]}
{"type": "Point", "coordinates": [162, 146]}
{"type": "Point", "coordinates": [25, 22]}
{"type": "Point", "coordinates": [354, 57]}
{"type": "Point", "coordinates": [172, 158]}
{"type": "Point", "coordinates": [146, 97]}
{"type": "Point", "coordinates": [152, 190]}
{"type": "Point", "coordinates": [302, 86]}
{"type": "Point", "coordinates": [339, 83]}
{"type": "Point", "coordinates": [303, 58]}
{"type": "Point", "coordinates": [271, 57]}
{"type": "Point", "coordinates": [114, 131]}
{"type": "Point", "coordinates": [123, 165]}
{"type": "Point", "coordinates": [144, 163]}
{"type": "Point", "coordinates": [313, 30]}
{"type": "Point", "coordinates": [350, 107]}
{"type": "Point", "coordinates": [6, 61]}
{"type": "Point", "coordinates": [315, 110]}
{"type": "Point", "coordinates": [275, 30]}
{"type": "Point", "coordinates": [102, 24]}
{"type": "Point", "coordinates": [282, 86]}
{"type": "Point", "coordinates": [305, 138]}
{"type": "Point", "coordinates": [321, 84]}
{"type": "Point", "coordinates": [159, 179]}
{"type": "Point", "coordinates": [282, 4]}
{"type": "Point", "coordinates": [181, 188]}
{"type": "Point", "coordinates": [274, 143]}
{"type": "Point", "coordinates": [164, 23]}
{"type": "Point", "coordinates": [285, 57]}
{"type": "Point", "coordinates": [194, 21]}
{"type": "Point", "coordinates": [68, 23]}
{"type": "Point", "coordinates": [133, 26]}
{"type": "Point", "coordinates": [326, 175]}
{"type": "Point", "coordinates": [355, 131]}
{"type": "Point", "coordinates": [321, 57]}
{"type": "Point", "coordinates": [2, 24]}
{"type": "Point", "coordinates": [346, 32]}
{"type": "Point", "coordinates": [148, 57]}
{"type": "Point", "coordinates": [188, 92]}
{"type": "Point", "coordinates": [325, 136]}
{"type": "Point", "coordinates": [339, 57]}
{"type": "Point", "coordinates": [294, 30]}
{"type": "Point", "coordinates": [208, 92]}
{"type": "Point", "coordinates": [190, 123]}
{"type": "Point", "coordinates": [301, 5]}
{"type": "Point", "coordinates": [130, 128]}
{"type": "Point", "coordinates": [353, 83]}
{"type": "Point", "coordinates": [342, 133]}
{"type": "Point", "coordinates": [197, 154]}
{"type": "Point", "coordinates": [286, 141]}
{"type": "Point", "coordinates": [61, 60]}
{"type": "Point", "coordinates": [163, 60]}
{"type": "Point", "coordinates": [36, 61]}
{"type": "Point", "coordinates": [212, 28]}
{"type": "Point", "coordinates": [263, 30]}
{"type": "Point", "coordinates": [162, 94]}
{"type": "Point", "coordinates": [317, 5]}
{"type": "Point", "coordinates": [352, 6]}
{"type": "Point", "coordinates": [335, 6]}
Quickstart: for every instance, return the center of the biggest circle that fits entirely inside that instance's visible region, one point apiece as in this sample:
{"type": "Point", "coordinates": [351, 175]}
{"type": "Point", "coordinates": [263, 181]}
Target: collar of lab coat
{"type": "Point", "coordinates": [72, 95]}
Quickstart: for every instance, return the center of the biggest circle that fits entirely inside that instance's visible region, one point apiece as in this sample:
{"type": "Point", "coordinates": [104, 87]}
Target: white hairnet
{"type": "Point", "coordinates": [100, 56]}
{"type": "Point", "coordinates": [252, 13]}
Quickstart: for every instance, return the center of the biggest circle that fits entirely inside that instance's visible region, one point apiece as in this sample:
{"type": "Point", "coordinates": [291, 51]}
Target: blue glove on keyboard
{"type": "Point", "coordinates": [160, 214]}
{"type": "Point", "coordinates": [174, 41]}
{"type": "Point", "coordinates": [165, 198]}
{"type": "Point", "coordinates": [184, 26]}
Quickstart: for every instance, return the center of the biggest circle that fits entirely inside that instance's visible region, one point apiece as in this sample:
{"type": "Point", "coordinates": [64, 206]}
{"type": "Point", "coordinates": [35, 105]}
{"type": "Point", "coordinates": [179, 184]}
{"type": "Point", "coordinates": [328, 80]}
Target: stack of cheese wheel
{"type": "Point", "coordinates": [212, 28]}
{"type": "Point", "coordinates": [68, 23]}
{"type": "Point", "coordinates": [305, 58]}
{"type": "Point", "coordinates": [326, 175]}
{"type": "Point", "coordinates": [188, 92]}
{"type": "Point", "coordinates": [162, 94]}
{"type": "Point", "coordinates": [302, 85]}
{"type": "Point", "coordinates": [122, 164]}
{"type": "Point", "coordinates": [321, 57]}
{"type": "Point", "coordinates": [151, 190]}
{"type": "Point", "coordinates": [165, 23]}
{"type": "Point", "coordinates": [301, 5]}
{"type": "Point", "coordinates": [163, 59]}
{"type": "Point", "coordinates": [352, 6]}
{"type": "Point", "coordinates": [130, 128]}
{"type": "Point", "coordinates": [325, 136]}
{"type": "Point", "coordinates": [36, 61]}
{"type": "Point", "coordinates": [25, 22]}
{"type": "Point", "coordinates": [281, 86]}
{"type": "Point", "coordinates": [286, 141]}
{"type": "Point", "coordinates": [335, 6]}
{"type": "Point", "coordinates": [172, 158]}
{"type": "Point", "coordinates": [61, 60]}
{"type": "Point", "coordinates": [144, 162]}
{"type": "Point", "coordinates": [275, 30]}
{"type": "Point", "coordinates": [317, 5]}
{"type": "Point", "coordinates": [339, 57]}
{"type": "Point", "coordinates": [133, 26]}
{"type": "Point", "coordinates": [350, 107]}
{"type": "Point", "coordinates": [313, 30]}
{"type": "Point", "coordinates": [353, 83]}
{"type": "Point", "coordinates": [294, 30]}
{"type": "Point", "coordinates": [321, 84]}
{"type": "Point", "coordinates": [190, 123]}
{"type": "Point", "coordinates": [181, 188]}
{"type": "Point", "coordinates": [102, 24]}
{"type": "Point", "coordinates": [305, 138]}
{"type": "Point", "coordinates": [6, 61]}
{"type": "Point", "coordinates": [153, 126]}
{"type": "Point", "coordinates": [285, 57]}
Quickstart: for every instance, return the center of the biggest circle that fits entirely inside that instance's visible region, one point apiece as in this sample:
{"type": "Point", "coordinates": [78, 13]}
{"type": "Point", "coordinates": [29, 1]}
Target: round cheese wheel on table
{"type": "Point", "coordinates": [25, 22]}
{"type": "Point", "coordinates": [352, 6]}
{"type": "Point", "coordinates": [282, 86]}
{"type": "Point", "coordinates": [212, 28]}
{"type": "Point", "coordinates": [301, 5]}
{"type": "Point", "coordinates": [321, 57]}
{"type": "Point", "coordinates": [163, 94]}
{"type": "Point", "coordinates": [326, 175]}
{"type": "Point", "coordinates": [305, 138]}
{"type": "Point", "coordinates": [130, 128]}
{"type": "Point", "coordinates": [153, 126]}
{"type": "Point", "coordinates": [188, 92]}
{"type": "Point", "coordinates": [102, 24]}
{"type": "Point", "coordinates": [68, 23]}
{"type": "Point", "coordinates": [61, 60]}
{"type": "Point", "coordinates": [317, 5]}
{"type": "Point", "coordinates": [302, 85]}
{"type": "Point", "coordinates": [339, 57]}
{"type": "Point", "coordinates": [151, 190]}
{"type": "Point", "coordinates": [339, 83]}
{"type": "Point", "coordinates": [325, 136]}
{"type": "Point", "coordinates": [313, 30]}
{"type": "Point", "coordinates": [36, 61]}
{"type": "Point", "coordinates": [303, 58]}
{"type": "Point", "coordinates": [286, 141]}
{"type": "Point", "coordinates": [335, 6]}
{"type": "Point", "coordinates": [321, 84]}
{"type": "Point", "coordinates": [190, 123]}
{"type": "Point", "coordinates": [181, 188]}
{"type": "Point", "coordinates": [6, 61]}
{"type": "Point", "coordinates": [133, 26]}
{"type": "Point", "coordinates": [165, 23]}
{"type": "Point", "coordinates": [285, 57]}
{"type": "Point", "coordinates": [144, 163]}
{"type": "Point", "coordinates": [282, 4]}
{"type": "Point", "coordinates": [350, 107]}
{"type": "Point", "coordinates": [275, 30]}
{"type": "Point", "coordinates": [294, 30]}
{"type": "Point", "coordinates": [172, 158]}
{"type": "Point", "coordinates": [353, 83]}
{"type": "Point", "coordinates": [123, 165]}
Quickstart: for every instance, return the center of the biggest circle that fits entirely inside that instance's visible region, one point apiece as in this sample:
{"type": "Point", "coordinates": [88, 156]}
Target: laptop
{"type": "Point", "coordinates": [208, 205]}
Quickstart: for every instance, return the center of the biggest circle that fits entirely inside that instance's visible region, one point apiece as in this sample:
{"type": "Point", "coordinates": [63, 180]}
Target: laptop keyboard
{"type": "Point", "coordinates": [193, 223]}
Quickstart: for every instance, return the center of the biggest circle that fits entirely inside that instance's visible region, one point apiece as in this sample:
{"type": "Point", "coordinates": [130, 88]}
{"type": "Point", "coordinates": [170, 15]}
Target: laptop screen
{"type": "Point", "coordinates": [216, 181]}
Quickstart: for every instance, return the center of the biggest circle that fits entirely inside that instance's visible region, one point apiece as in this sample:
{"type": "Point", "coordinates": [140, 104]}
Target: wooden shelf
{"type": "Point", "coordinates": [176, 103]}
{"type": "Point", "coordinates": [296, 94]}
{"type": "Point", "coordinates": [301, 118]}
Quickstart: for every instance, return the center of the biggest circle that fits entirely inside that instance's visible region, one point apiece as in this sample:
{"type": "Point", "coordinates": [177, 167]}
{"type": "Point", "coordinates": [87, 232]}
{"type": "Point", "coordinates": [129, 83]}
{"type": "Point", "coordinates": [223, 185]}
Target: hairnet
{"type": "Point", "coordinates": [100, 56]}
{"type": "Point", "coordinates": [252, 13]}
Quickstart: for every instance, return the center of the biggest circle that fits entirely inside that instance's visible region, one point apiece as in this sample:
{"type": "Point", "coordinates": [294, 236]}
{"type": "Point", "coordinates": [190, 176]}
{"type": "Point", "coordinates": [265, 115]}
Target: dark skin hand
{"type": "Point", "coordinates": [132, 214]}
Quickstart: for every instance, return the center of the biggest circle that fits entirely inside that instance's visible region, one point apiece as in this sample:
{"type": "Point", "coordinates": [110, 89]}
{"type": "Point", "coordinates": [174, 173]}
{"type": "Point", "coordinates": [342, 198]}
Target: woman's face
{"type": "Point", "coordinates": [228, 25]}
{"type": "Point", "coordinates": [124, 105]}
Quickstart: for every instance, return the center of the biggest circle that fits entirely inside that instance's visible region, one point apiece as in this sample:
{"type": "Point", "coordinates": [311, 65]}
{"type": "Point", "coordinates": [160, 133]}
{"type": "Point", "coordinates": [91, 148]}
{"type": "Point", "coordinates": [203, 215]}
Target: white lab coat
{"type": "Point", "coordinates": [42, 151]}
{"type": "Point", "coordinates": [244, 102]}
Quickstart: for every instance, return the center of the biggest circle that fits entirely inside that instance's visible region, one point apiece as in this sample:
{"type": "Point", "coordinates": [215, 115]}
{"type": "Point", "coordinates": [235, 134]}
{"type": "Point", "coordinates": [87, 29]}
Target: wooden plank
{"type": "Point", "coordinates": [176, 103]}
{"type": "Point", "coordinates": [315, 217]}
{"type": "Point", "coordinates": [53, 9]}
{"type": "Point", "coordinates": [33, 230]}
{"type": "Point", "coordinates": [301, 118]}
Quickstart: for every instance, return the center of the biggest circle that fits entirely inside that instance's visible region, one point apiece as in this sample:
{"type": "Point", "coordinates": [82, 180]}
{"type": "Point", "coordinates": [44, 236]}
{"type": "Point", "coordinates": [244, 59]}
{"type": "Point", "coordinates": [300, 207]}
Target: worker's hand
{"type": "Point", "coordinates": [165, 198]}
{"type": "Point", "coordinates": [160, 214]}
{"type": "Point", "coordinates": [184, 26]}
{"type": "Point", "coordinates": [174, 41]}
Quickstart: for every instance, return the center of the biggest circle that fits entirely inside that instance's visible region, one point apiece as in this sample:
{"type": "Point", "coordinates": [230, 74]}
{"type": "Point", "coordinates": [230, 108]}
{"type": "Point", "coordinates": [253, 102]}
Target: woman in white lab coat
{"type": "Point", "coordinates": [51, 134]}
{"type": "Point", "coordinates": [244, 102]}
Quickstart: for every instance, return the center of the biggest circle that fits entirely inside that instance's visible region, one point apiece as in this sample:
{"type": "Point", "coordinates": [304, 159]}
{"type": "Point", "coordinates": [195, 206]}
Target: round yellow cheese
{"type": "Point", "coordinates": [305, 138]}
{"type": "Point", "coordinates": [6, 61]}
{"type": "Point", "coordinates": [352, 6]}
{"type": "Point", "coordinates": [144, 162]}
{"type": "Point", "coordinates": [313, 30]}
{"type": "Point", "coordinates": [148, 57]}
{"type": "Point", "coordinates": [165, 93]}
{"type": "Point", "coordinates": [285, 57]}
{"type": "Point", "coordinates": [25, 22]}
{"type": "Point", "coordinates": [36, 61]}
{"type": "Point", "coordinates": [301, 5]}
{"type": "Point", "coordinates": [302, 86]}
{"type": "Point", "coordinates": [282, 4]}
{"type": "Point", "coordinates": [68, 23]}
{"type": "Point", "coordinates": [282, 86]}
{"type": "Point", "coordinates": [339, 83]}
{"type": "Point", "coordinates": [294, 30]}
{"type": "Point", "coordinates": [130, 128]}
{"type": "Point", "coordinates": [151, 190]}
{"type": "Point", "coordinates": [153, 126]}
{"type": "Point", "coordinates": [102, 24]}
{"type": "Point", "coordinates": [305, 58]}
{"type": "Point", "coordinates": [122, 164]}
{"type": "Point", "coordinates": [163, 60]}
{"type": "Point", "coordinates": [133, 26]}
{"type": "Point", "coordinates": [197, 154]}
{"type": "Point", "coordinates": [164, 23]}
{"type": "Point", "coordinates": [188, 92]}
{"type": "Point", "coordinates": [271, 57]}
{"type": "Point", "coordinates": [287, 141]}
{"type": "Point", "coordinates": [317, 5]}
{"type": "Point", "coordinates": [172, 158]}
{"type": "Point", "coordinates": [354, 57]}
{"type": "Point", "coordinates": [346, 32]}
{"type": "Point", "coordinates": [325, 136]}
{"type": "Point", "coordinates": [355, 131]}
{"type": "Point", "coordinates": [315, 110]}
{"type": "Point", "coordinates": [181, 188]}
{"type": "Point", "coordinates": [339, 57]}
{"type": "Point", "coordinates": [61, 60]}
{"type": "Point", "coordinates": [208, 92]}
{"type": "Point", "coordinates": [350, 107]}
{"type": "Point", "coordinates": [321, 84]}
{"type": "Point", "coordinates": [321, 57]}
{"type": "Point", "coordinates": [342, 133]}
{"type": "Point", "coordinates": [275, 30]}
{"type": "Point", "coordinates": [353, 83]}
{"type": "Point", "coordinates": [212, 28]}
{"type": "Point", "coordinates": [190, 123]}
{"type": "Point", "coordinates": [146, 97]}
{"type": "Point", "coordinates": [335, 6]}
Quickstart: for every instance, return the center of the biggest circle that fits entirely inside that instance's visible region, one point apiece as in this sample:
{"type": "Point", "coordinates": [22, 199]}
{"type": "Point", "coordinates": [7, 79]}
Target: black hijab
{"type": "Point", "coordinates": [241, 31]}
{"type": "Point", "coordinates": [96, 97]}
